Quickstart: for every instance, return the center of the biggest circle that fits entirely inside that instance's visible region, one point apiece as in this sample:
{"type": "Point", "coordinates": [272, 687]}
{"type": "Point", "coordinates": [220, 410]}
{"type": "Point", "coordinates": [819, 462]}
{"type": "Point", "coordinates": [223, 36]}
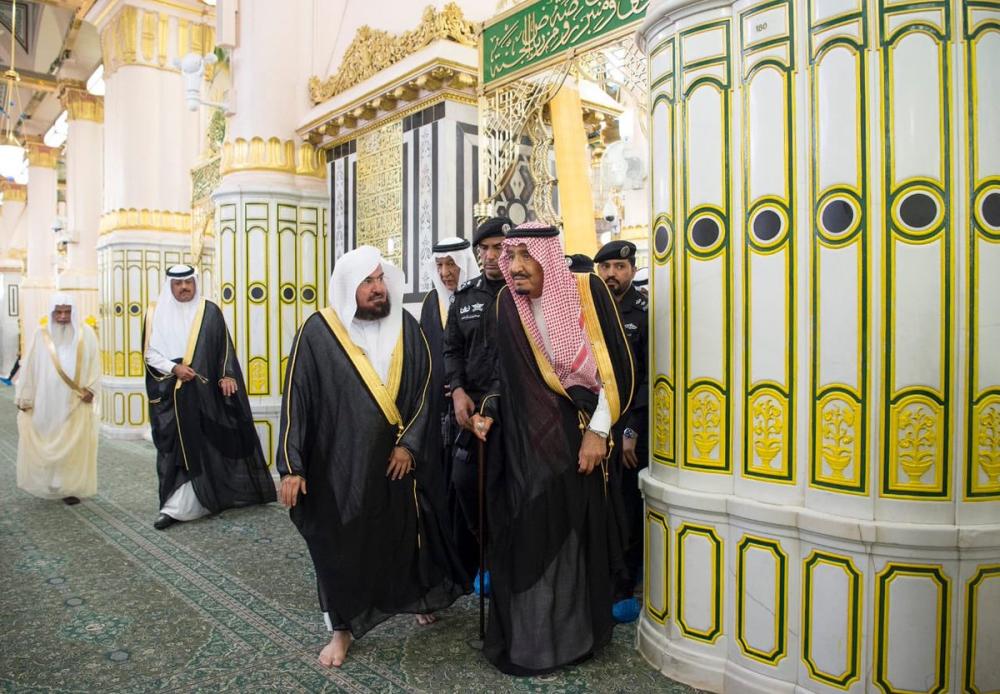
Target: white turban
{"type": "Point", "coordinates": [172, 319]}
{"type": "Point", "coordinates": [377, 338]}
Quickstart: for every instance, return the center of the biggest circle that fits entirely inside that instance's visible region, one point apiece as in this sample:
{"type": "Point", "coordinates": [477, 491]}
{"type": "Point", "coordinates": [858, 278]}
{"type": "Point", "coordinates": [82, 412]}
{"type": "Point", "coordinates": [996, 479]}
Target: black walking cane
{"type": "Point", "coordinates": [481, 465]}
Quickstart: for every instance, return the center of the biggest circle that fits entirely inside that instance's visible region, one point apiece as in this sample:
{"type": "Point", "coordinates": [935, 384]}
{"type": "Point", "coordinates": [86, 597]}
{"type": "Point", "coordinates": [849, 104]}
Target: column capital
{"type": "Point", "coordinates": [79, 103]}
{"type": "Point", "coordinates": [132, 35]}
{"type": "Point", "coordinates": [13, 192]}
{"type": "Point", "coordinates": [39, 154]}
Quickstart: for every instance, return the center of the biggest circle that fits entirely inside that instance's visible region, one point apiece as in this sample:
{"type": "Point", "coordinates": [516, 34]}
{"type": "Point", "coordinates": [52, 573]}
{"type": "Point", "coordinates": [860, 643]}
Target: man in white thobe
{"type": "Point", "coordinates": [58, 423]}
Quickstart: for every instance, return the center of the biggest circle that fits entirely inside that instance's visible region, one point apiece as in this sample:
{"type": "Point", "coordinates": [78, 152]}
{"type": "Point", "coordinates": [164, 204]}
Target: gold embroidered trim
{"type": "Point", "coordinates": [385, 395]}
{"type": "Point", "coordinates": [73, 385]}
{"type": "Point", "coordinates": [598, 347]}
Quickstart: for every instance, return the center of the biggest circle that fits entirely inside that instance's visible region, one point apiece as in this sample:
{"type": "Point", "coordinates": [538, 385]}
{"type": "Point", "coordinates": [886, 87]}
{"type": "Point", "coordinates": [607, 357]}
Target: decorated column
{"type": "Point", "coordinates": [15, 195]}
{"type": "Point", "coordinates": [84, 184]}
{"type": "Point", "coordinates": [271, 206]}
{"type": "Point", "coordinates": [40, 275]}
{"type": "Point", "coordinates": [151, 141]}
{"type": "Point", "coordinates": [823, 507]}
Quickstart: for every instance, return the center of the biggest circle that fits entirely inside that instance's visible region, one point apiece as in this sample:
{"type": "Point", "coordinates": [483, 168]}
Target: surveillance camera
{"type": "Point", "coordinates": [610, 212]}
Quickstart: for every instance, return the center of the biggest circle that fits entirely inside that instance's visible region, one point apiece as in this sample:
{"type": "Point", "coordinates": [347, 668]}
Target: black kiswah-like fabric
{"type": "Point", "coordinates": [442, 432]}
{"type": "Point", "coordinates": [380, 547]}
{"type": "Point", "coordinates": [552, 542]}
{"type": "Point", "coordinates": [221, 454]}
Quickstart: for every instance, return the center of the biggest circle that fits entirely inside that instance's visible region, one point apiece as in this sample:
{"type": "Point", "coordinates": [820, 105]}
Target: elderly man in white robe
{"type": "Point", "coordinates": [58, 423]}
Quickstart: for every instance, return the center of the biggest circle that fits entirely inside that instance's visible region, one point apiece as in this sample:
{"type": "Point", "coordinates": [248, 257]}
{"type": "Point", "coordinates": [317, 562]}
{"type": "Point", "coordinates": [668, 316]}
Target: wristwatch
{"type": "Point", "coordinates": [630, 433]}
{"type": "Point", "coordinates": [602, 434]}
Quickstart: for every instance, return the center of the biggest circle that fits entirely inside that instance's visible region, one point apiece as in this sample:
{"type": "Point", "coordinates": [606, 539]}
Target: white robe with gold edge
{"type": "Point", "coordinates": [57, 445]}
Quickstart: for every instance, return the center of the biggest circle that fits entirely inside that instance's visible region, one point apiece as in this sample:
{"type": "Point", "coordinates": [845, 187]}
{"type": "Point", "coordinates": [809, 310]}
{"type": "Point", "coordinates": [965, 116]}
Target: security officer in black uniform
{"type": "Point", "coordinates": [468, 364]}
{"type": "Point", "coordinates": [616, 266]}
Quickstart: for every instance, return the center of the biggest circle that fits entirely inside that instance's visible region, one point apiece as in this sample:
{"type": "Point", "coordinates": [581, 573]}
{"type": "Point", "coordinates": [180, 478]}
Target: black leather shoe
{"type": "Point", "coordinates": [163, 521]}
{"type": "Point", "coordinates": [71, 500]}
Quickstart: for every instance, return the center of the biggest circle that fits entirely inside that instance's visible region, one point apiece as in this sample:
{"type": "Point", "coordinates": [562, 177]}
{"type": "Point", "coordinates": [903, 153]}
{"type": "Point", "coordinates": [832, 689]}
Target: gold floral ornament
{"type": "Point", "coordinates": [988, 444]}
{"type": "Point", "coordinates": [767, 426]}
{"type": "Point", "coordinates": [91, 320]}
{"type": "Point", "coordinates": [373, 50]}
{"type": "Point", "coordinates": [916, 441]}
{"type": "Point", "coordinates": [661, 420]}
{"type": "Point", "coordinates": [43, 321]}
{"type": "Point", "coordinates": [705, 421]}
{"type": "Point", "coordinates": [838, 439]}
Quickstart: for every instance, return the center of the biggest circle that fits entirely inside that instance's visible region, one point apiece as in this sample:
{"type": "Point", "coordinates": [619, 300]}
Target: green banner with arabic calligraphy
{"type": "Point", "coordinates": [543, 30]}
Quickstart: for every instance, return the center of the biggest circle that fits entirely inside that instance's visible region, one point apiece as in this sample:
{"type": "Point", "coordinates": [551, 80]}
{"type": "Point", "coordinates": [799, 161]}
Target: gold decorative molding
{"type": "Point", "coordinates": [373, 50]}
{"type": "Point", "coordinates": [40, 155]}
{"type": "Point", "coordinates": [13, 192]}
{"type": "Point", "coordinates": [273, 154]}
{"type": "Point", "coordinates": [145, 220]}
{"type": "Point", "coordinates": [79, 103]}
{"type": "Point", "coordinates": [342, 135]}
{"type": "Point", "coordinates": [142, 37]}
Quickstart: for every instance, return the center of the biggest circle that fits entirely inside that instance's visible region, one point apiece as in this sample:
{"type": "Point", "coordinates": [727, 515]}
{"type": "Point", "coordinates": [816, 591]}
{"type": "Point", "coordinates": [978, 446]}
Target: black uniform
{"type": "Point", "coordinates": [469, 357]}
{"type": "Point", "coordinates": [633, 311]}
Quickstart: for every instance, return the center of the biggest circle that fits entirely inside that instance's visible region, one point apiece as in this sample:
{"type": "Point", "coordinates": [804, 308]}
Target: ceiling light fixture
{"type": "Point", "coordinates": [11, 149]}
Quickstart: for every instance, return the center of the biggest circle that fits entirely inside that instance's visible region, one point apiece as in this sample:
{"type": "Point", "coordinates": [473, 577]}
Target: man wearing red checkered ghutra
{"type": "Point", "coordinates": [564, 377]}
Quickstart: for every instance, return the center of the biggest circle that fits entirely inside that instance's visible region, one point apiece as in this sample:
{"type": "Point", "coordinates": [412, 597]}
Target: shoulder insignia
{"type": "Point", "coordinates": [466, 285]}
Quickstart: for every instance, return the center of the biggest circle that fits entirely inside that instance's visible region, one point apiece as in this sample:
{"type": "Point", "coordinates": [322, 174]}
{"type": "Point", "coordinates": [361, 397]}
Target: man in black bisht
{"type": "Point", "coordinates": [616, 266]}
{"type": "Point", "coordinates": [451, 265]}
{"type": "Point", "coordinates": [469, 356]}
{"type": "Point", "coordinates": [351, 455]}
{"type": "Point", "coordinates": [208, 455]}
{"type": "Point", "coordinates": [564, 378]}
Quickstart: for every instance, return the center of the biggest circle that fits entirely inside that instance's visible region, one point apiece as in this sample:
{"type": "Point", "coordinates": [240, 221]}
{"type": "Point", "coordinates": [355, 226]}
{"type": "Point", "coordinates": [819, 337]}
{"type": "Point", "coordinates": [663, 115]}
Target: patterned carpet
{"type": "Point", "coordinates": [93, 599]}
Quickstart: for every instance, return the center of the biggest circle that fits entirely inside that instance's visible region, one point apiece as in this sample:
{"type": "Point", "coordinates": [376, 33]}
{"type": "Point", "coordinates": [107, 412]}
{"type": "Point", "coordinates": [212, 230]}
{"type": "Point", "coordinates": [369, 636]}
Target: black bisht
{"type": "Point", "coordinates": [380, 547]}
{"type": "Point", "coordinates": [202, 436]}
{"type": "Point", "coordinates": [552, 544]}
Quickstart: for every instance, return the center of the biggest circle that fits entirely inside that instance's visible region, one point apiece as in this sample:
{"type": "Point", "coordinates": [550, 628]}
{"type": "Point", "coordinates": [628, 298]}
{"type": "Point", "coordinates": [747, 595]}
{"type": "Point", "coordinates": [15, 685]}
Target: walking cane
{"type": "Point", "coordinates": [481, 470]}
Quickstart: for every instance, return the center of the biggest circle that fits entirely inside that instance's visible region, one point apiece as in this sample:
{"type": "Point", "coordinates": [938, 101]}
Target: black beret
{"type": "Point", "coordinates": [459, 245]}
{"type": "Point", "coordinates": [616, 250]}
{"type": "Point", "coordinates": [579, 262]}
{"type": "Point", "coordinates": [495, 226]}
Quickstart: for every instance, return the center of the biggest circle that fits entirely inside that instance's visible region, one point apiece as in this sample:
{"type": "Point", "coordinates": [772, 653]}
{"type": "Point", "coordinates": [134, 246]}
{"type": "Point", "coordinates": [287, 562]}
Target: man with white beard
{"type": "Point", "coordinates": [353, 462]}
{"type": "Point", "coordinates": [57, 424]}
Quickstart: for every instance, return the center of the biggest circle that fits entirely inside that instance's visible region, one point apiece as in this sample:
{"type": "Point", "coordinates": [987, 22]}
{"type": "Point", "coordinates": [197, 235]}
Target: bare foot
{"type": "Point", "coordinates": [426, 619]}
{"type": "Point", "coordinates": [335, 653]}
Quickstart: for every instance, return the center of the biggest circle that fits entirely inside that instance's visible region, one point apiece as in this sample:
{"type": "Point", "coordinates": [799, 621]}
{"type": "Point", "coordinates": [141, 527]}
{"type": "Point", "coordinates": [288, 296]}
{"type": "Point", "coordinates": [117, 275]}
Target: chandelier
{"type": "Point", "coordinates": [11, 150]}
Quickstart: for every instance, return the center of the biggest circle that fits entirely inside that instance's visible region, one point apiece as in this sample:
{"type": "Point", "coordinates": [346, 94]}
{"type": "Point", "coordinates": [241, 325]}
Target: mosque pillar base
{"type": "Point", "coordinates": [273, 265]}
{"type": "Point", "coordinates": [131, 266]}
{"type": "Point", "coordinates": [745, 596]}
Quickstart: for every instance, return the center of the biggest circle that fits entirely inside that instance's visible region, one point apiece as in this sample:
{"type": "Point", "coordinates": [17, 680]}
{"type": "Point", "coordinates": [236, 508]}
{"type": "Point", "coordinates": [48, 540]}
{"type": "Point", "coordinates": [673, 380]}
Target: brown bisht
{"type": "Point", "coordinates": [552, 546]}
{"type": "Point", "coordinates": [380, 547]}
{"type": "Point", "coordinates": [202, 436]}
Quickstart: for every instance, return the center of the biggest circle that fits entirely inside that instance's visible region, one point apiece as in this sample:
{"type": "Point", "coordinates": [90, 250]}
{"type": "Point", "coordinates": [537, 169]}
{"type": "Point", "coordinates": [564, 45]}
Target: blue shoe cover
{"type": "Point", "coordinates": [486, 582]}
{"type": "Point", "coordinates": [625, 611]}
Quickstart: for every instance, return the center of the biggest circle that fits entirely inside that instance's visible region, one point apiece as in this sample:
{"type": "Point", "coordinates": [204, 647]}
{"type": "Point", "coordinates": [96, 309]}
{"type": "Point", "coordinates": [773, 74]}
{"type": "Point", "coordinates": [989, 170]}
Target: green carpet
{"type": "Point", "coordinates": [93, 599]}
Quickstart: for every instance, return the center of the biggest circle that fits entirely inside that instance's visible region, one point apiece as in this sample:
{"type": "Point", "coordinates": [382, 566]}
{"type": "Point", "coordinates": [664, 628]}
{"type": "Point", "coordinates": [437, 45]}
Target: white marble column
{"type": "Point", "coordinates": [823, 502]}
{"type": "Point", "coordinates": [272, 205]}
{"type": "Point", "coordinates": [39, 281]}
{"type": "Point", "coordinates": [84, 183]}
{"type": "Point", "coordinates": [151, 142]}
{"type": "Point", "coordinates": [12, 214]}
